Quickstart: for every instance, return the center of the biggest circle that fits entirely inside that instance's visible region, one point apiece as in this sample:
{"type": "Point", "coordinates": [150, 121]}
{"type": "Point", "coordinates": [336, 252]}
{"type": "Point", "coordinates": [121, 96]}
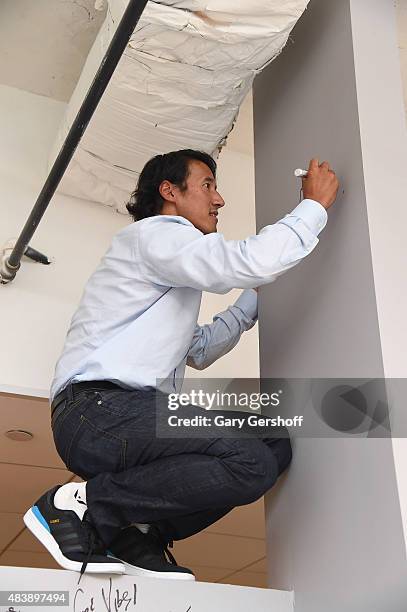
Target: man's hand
{"type": "Point", "coordinates": [321, 184]}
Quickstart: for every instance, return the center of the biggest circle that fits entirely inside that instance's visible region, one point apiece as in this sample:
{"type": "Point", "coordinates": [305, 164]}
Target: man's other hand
{"type": "Point", "coordinates": [321, 184]}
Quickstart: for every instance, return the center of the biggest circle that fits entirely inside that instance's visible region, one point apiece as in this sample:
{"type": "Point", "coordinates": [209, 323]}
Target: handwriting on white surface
{"type": "Point", "coordinates": [108, 600]}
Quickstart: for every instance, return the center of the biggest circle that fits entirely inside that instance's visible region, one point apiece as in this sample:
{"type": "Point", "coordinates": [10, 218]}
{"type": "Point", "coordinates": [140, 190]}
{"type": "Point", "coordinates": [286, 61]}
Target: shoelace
{"type": "Point", "coordinates": [170, 556]}
{"type": "Point", "coordinates": [94, 545]}
{"type": "Point", "coordinates": [164, 545]}
{"type": "Point", "coordinates": [91, 548]}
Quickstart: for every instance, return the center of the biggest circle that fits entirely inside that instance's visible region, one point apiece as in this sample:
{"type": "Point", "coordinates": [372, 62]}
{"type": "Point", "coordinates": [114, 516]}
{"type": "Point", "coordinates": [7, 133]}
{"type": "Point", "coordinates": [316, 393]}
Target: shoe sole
{"type": "Point", "coordinates": [44, 536]}
{"type": "Point", "coordinates": [133, 570]}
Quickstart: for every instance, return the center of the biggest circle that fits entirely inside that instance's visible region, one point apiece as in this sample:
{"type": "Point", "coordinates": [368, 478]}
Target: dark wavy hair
{"type": "Point", "coordinates": [146, 201]}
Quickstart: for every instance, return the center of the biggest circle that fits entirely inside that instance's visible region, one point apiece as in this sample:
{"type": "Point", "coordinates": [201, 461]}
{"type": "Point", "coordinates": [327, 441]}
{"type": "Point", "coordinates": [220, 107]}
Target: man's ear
{"type": "Point", "coordinates": [166, 191]}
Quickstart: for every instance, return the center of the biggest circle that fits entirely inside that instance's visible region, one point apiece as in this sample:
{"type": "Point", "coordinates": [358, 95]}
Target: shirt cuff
{"type": "Point", "coordinates": [247, 303]}
{"type": "Point", "coordinates": [312, 213]}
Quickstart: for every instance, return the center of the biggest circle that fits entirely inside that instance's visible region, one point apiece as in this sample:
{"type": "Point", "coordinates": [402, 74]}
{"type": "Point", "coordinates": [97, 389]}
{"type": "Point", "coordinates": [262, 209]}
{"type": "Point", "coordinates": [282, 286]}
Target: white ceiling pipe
{"type": "Point", "coordinates": [179, 84]}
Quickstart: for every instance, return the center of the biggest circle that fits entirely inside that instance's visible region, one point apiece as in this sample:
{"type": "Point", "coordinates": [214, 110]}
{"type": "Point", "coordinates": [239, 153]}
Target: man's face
{"type": "Point", "coordinates": [200, 202]}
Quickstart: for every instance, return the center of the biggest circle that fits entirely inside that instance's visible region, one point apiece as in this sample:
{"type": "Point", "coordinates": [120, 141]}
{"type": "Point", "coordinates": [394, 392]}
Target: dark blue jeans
{"type": "Point", "coordinates": [183, 485]}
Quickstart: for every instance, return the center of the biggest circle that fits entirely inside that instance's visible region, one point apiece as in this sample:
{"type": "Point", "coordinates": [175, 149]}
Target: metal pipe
{"type": "Point", "coordinates": [113, 54]}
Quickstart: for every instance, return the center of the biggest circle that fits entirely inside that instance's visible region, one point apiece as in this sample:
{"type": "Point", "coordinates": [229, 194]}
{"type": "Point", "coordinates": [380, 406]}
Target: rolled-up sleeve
{"type": "Point", "coordinates": [213, 340]}
{"type": "Point", "coordinates": [179, 255]}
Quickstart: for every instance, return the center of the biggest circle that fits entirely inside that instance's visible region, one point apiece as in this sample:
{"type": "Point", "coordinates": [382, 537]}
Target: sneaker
{"type": "Point", "coordinates": [144, 554]}
{"type": "Point", "coordinates": [74, 543]}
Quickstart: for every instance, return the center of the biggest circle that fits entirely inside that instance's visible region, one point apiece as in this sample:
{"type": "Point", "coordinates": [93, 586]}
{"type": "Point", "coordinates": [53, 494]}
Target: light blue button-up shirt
{"type": "Point", "coordinates": [136, 323]}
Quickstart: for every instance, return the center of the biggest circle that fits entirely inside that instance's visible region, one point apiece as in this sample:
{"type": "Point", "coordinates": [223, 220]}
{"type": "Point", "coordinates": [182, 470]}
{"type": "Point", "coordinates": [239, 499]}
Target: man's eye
{"type": "Point", "coordinates": [207, 185]}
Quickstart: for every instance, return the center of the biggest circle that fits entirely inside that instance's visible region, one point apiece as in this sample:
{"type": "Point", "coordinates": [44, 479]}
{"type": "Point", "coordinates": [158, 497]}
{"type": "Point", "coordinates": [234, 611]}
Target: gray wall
{"type": "Point", "coordinates": [305, 105]}
{"type": "Point", "coordinates": [334, 523]}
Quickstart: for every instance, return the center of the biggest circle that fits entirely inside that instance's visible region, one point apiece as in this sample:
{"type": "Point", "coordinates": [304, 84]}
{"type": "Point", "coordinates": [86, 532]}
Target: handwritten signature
{"type": "Point", "coordinates": [112, 600]}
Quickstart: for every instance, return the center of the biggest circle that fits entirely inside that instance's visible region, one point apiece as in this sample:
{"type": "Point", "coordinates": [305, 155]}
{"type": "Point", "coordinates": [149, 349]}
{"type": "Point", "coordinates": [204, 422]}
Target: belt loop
{"type": "Point", "coordinates": [69, 392]}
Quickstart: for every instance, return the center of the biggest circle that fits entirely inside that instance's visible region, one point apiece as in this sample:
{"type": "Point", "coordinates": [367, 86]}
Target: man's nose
{"type": "Point", "coordinates": [218, 200]}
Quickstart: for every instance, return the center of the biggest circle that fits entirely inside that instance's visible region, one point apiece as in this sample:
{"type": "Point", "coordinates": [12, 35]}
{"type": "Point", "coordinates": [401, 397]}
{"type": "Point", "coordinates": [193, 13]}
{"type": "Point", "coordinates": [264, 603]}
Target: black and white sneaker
{"type": "Point", "coordinates": [74, 543]}
{"type": "Point", "coordinates": [144, 554]}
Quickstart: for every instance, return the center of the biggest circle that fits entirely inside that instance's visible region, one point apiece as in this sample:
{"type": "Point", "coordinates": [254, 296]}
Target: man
{"type": "Point", "coordinates": [136, 325]}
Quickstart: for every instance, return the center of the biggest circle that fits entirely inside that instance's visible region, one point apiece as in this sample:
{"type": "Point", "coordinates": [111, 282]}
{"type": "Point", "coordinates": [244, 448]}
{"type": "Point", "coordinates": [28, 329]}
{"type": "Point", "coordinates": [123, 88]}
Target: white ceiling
{"type": "Point", "coordinates": [44, 43]}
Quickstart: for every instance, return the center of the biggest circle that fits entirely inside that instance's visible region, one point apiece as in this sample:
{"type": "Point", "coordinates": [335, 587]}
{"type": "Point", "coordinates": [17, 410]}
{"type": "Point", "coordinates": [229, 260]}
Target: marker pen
{"type": "Point", "coordinates": [301, 173]}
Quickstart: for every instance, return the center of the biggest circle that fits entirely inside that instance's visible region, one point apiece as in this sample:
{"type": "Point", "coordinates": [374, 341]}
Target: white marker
{"type": "Point", "coordinates": [300, 173]}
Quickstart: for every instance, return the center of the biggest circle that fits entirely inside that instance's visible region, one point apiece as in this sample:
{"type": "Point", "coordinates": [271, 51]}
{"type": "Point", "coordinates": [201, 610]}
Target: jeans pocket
{"type": "Point", "coordinates": [93, 450]}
